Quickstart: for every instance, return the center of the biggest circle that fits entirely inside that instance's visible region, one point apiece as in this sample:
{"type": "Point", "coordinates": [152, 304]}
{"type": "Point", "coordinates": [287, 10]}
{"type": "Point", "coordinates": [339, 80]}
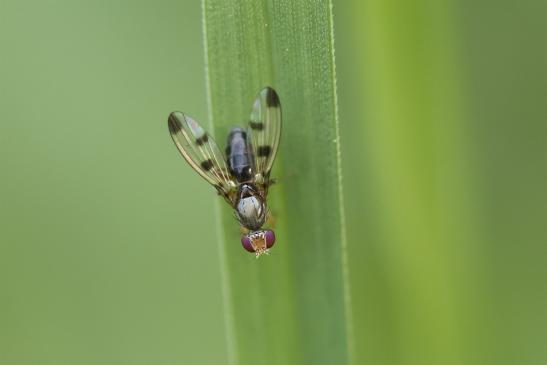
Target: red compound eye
{"type": "Point", "coordinates": [270, 238]}
{"type": "Point", "coordinates": [246, 242]}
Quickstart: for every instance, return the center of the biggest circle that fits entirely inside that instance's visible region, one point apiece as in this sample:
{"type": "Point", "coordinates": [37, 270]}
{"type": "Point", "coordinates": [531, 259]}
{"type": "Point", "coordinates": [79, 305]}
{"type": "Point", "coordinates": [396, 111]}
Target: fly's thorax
{"type": "Point", "coordinates": [250, 207]}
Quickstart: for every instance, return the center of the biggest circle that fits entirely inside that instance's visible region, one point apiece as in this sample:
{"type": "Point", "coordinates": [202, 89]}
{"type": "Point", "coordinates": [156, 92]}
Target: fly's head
{"type": "Point", "coordinates": [258, 242]}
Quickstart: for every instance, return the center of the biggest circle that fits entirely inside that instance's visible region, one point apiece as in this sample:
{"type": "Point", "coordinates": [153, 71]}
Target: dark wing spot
{"type": "Point", "coordinates": [257, 126]}
{"type": "Point", "coordinates": [264, 151]}
{"type": "Point", "coordinates": [272, 100]}
{"type": "Point", "coordinates": [174, 126]}
{"type": "Point", "coordinates": [207, 165]}
{"type": "Point", "coordinates": [201, 140]}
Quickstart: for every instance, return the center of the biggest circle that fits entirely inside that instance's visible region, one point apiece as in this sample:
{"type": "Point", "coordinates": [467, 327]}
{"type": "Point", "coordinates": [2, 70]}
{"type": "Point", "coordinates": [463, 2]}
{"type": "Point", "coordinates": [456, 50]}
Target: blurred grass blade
{"type": "Point", "coordinates": [289, 307]}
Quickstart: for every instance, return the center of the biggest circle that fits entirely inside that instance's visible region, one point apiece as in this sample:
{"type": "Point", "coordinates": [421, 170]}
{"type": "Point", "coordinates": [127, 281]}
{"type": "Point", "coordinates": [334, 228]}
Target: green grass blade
{"type": "Point", "coordinates": [289, 307]}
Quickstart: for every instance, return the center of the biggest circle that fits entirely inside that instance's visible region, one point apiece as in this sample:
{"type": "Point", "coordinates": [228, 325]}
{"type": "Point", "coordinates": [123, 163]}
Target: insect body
{"type": "Point", "coordinates": [242, 174]}
{"type": "Point", "coordinates": [239, 155]}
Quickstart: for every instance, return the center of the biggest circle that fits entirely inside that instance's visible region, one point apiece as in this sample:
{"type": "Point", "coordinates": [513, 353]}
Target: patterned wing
{"type": "Point", "coordinates": [265, 130]}
{"type": "Point", "coordinates": [200, 151]}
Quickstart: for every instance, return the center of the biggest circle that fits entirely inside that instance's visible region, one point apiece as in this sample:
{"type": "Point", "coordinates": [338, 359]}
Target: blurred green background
{"type": "Point", "coordinates": [108, 248]}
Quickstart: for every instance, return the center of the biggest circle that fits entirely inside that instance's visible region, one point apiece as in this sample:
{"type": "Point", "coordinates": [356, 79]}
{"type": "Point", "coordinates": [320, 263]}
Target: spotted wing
{"type": "Point", "coordinates": [200, 151]}
{"type": "Point", "coordinates": [265, 130]}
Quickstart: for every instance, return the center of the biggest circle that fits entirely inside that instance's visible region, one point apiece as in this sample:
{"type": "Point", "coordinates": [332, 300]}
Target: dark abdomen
{"type": "Point", "coordinates": [239, 155]}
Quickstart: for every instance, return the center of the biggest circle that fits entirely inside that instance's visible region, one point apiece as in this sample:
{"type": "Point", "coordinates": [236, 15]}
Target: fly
{"type": "Point", "coordinates": [240, 174]}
